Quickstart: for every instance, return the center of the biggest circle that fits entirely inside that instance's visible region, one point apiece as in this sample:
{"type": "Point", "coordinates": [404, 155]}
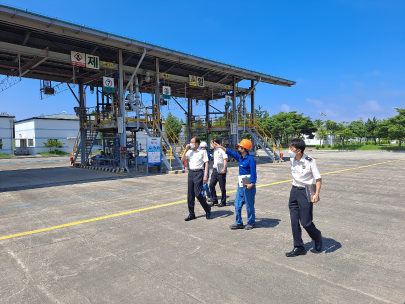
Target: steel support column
{"type": "Point", "coordinates": [123, 135]}
{"type": "Point", "coordinates": [207, 121]}
{"type": "Point", "coordinates": [234, 118]}
{"type": "Point", "coordinates": [83, 123]}
{"type": "Point", "coordinates": [252, 110]}
{"type": "Point", "coordinates": [189, 117]}
{"type": "Point", "coordinates": [157, 88]}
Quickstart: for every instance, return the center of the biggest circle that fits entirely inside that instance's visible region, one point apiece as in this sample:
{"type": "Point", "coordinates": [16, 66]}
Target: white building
{"type": "Point", "coordinates": [6, 135]}
{"type": "Point", "coordinates": [32, 133]}
{"type": "Point", "coordinates": [330, 139]}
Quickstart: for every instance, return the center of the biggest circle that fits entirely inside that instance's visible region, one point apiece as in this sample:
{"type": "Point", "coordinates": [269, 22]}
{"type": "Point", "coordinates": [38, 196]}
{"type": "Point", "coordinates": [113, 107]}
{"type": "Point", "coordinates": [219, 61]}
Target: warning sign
{"type": "Point", "coordinates": [200, 82]}
{"type": "Point", "coordinates": [154, 150]}
{"type": "Point", "coordinates": [192, 79]}
{"type": "Point", "coordinates": [92, 62]}
{"type": "Point", "coordinates": [108, 65]}
{"type": "Point", "coordinates": [120, 123]}
{"type": "Point", "coordinates": [166, 92]}
{"type": "Point", "coordinates": [108, 85]}
{"type": "Point", "coordinates": [78, 59]}
{"type": "Point", "coordinates": [234, 128]}
{"type": "Point", "coordinates": [228, 100]}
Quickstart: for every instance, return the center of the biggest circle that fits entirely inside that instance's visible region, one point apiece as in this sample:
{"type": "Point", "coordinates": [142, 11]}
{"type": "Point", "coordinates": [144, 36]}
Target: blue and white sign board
{"type": "Point", "coordinates": [154, 150]}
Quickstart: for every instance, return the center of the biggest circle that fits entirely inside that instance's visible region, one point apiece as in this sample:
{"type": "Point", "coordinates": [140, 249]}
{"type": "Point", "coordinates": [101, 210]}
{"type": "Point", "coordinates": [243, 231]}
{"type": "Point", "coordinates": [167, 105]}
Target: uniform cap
{"type": "Point", "coordinates": [203, 144]}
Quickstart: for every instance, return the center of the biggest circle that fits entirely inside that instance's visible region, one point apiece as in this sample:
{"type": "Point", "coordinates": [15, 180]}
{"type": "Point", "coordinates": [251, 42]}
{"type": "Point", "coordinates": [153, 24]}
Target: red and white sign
{"type": "Point", "coordinates": [78, 59]}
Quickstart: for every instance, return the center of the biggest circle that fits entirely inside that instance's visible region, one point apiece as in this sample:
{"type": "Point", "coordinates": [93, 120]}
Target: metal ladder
{"type": "Point", "coordinates": [91, 135]}
{"type": "Point", "coordinates": [265, 141]}
{"type": "Point", "coordinates": [262, 143]}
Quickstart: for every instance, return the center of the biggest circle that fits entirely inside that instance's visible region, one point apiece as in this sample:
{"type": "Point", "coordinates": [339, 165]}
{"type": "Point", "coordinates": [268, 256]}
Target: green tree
{"type": "Point", "coordinates": [318, 123]}
{"type": "Point", "coordinates": [321, 134]}
{"type": "Point", "coordinates": [285, 126]}
{"type": "Point", "coordinates": [331, 127]}
{"type": "Point", "coordinates": [261, 115]}
{"type": "Point", "coordinates": [358, 129]}
{"type": "Point", "coordinates": [174, 126]}
{"type": "Point", "coordinates": [382, 130]}
{"type": "Point", "coordinates": [53, 143]}
{"type": "Point", "coordinates": [277, 125]}
{"type": "Point", "coordinates": [370, 129]}
{"type": "Point", "coordinates": [344, 132]}
{"type": "Point", "coordinates": [393, 127]}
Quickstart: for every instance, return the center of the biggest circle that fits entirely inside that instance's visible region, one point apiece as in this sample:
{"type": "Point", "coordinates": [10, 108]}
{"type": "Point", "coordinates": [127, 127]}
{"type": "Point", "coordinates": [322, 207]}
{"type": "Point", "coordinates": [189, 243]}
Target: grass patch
{"type": "Point", "coordinates": [6, 155]}
{"type": "Point", "coordinates": [56, 152]}
{"type": "Point", "coordinates": [365, 147]}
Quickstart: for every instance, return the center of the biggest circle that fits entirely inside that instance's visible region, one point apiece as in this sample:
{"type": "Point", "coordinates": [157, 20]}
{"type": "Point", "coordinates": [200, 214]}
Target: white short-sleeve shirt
{"type": "Point", "coordinates": [219, 157]}
{"type": "Point", "coordinates": [197, 159]}
{"type": "Point", "coordinates": [305, 171]}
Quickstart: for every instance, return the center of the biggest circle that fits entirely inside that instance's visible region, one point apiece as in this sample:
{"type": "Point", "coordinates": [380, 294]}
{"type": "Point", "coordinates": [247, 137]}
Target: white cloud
{"type": "Point", "coordinates": [285, 108]}
{"type": "Point", "coordinates": [370, 106]}
{"type": "Point", "coordinates": [315, 102]}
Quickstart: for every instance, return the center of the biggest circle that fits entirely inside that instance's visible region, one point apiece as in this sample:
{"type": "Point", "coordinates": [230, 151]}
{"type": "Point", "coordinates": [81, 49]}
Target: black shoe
{"type": "Point", "coordinates": [296, 252]}
{"type": "Point", "coordinates": [190, 217]}
{"type": "Point", "coordinates": [208, 214]}
{"type": "Point", "coordinates": [213, 204]}
{"type": "Point", "coordinates": [237, 226]}
{"type": "Point", "coordinates": [209, 199]}
{"type": "Point", "coordinates": [222, 205]}
{"type": "Point", "coordinates": [318, 245]}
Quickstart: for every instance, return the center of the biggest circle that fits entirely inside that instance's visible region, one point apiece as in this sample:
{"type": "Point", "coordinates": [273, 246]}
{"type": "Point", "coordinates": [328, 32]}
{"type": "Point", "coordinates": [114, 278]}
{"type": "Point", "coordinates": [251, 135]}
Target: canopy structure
{"type": "Point", "coordinates": [39, 47]}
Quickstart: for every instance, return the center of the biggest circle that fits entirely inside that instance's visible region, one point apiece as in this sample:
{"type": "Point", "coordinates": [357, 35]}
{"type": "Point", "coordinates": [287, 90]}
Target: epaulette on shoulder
{"type": "Point", "coordinates": [308, 158]}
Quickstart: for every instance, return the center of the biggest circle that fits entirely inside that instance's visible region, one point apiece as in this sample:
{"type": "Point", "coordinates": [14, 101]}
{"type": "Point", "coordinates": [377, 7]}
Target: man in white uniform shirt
{"type": "Point", "coordinates": [304, 170]}
{"type": "Point", "coordinates": [218, 174]}
{"type": "Point", "coordinates": [198, 161]}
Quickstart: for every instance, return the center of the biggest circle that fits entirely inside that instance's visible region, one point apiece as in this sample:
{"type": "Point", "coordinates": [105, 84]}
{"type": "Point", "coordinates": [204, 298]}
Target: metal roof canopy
{"type": "Point", "coordinates": [44, 45]}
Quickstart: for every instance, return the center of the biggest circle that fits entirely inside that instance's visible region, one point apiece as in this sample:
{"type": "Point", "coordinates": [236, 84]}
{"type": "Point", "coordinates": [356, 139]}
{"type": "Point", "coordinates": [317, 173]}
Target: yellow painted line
{"type": "Point", "coordinates": [165, 205]}
{"type": "Point", "coordinates": [88, 221]}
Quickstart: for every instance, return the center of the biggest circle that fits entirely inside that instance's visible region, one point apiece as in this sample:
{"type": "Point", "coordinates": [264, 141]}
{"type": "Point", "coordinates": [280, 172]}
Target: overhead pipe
{"type": "Point", "coordinates": [137, 102]}
{"type": "Point", "coordinates": [136, 69]}
{"type": "Point", "coordinates": [131, 93]}
{"type": "Point", "coordinates": [250, 91]}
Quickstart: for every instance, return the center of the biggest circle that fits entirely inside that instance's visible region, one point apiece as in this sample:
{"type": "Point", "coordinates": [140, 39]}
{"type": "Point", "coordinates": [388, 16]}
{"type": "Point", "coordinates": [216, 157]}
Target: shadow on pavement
{"type": "Point", "coordinates": [27, 179]}
{"type": "Point", "coordinates": [329, 246]}
{"type": "Point", "coordinates": [267, 222]}
{"type": "Point", "coordinates": [215, 213]}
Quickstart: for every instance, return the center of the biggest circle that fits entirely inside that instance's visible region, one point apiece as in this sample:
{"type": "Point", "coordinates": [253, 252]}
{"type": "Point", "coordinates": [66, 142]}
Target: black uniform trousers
{"type": "Point", "coordinates": [221, 178]}
{"type": "Point", "coordinates": [195, 185]}
{"type": "Point", "coordinates": [301, 211]}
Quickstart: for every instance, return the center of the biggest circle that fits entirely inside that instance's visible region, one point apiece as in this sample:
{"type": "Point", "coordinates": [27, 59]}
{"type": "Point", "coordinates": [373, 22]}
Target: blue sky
{"type": "Point", "coordinates": [347, 57]}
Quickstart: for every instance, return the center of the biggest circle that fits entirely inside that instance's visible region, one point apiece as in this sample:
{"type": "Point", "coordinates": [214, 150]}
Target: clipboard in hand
{"type": "Point", "coordinates": [244, 180]}
{"type": "Point", "coordinates": [310, 191]}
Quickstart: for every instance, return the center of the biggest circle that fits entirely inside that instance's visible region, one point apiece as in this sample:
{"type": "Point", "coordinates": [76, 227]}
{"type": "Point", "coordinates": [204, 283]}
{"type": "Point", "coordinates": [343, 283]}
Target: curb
{"type": "Point", "coordinates": [116, 170]}
{"type": "Point", "coordinates": [177, 171]}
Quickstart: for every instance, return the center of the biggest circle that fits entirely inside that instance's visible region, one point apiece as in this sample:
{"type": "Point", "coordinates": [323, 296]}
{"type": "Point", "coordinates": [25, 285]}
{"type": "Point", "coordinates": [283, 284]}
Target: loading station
{"type": "Point", "coordinates": [65, 56]}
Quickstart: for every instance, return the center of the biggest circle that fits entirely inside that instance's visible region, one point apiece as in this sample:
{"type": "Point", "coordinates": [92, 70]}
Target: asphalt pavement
{"type": "Point", "coordinates": [70, 235]}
